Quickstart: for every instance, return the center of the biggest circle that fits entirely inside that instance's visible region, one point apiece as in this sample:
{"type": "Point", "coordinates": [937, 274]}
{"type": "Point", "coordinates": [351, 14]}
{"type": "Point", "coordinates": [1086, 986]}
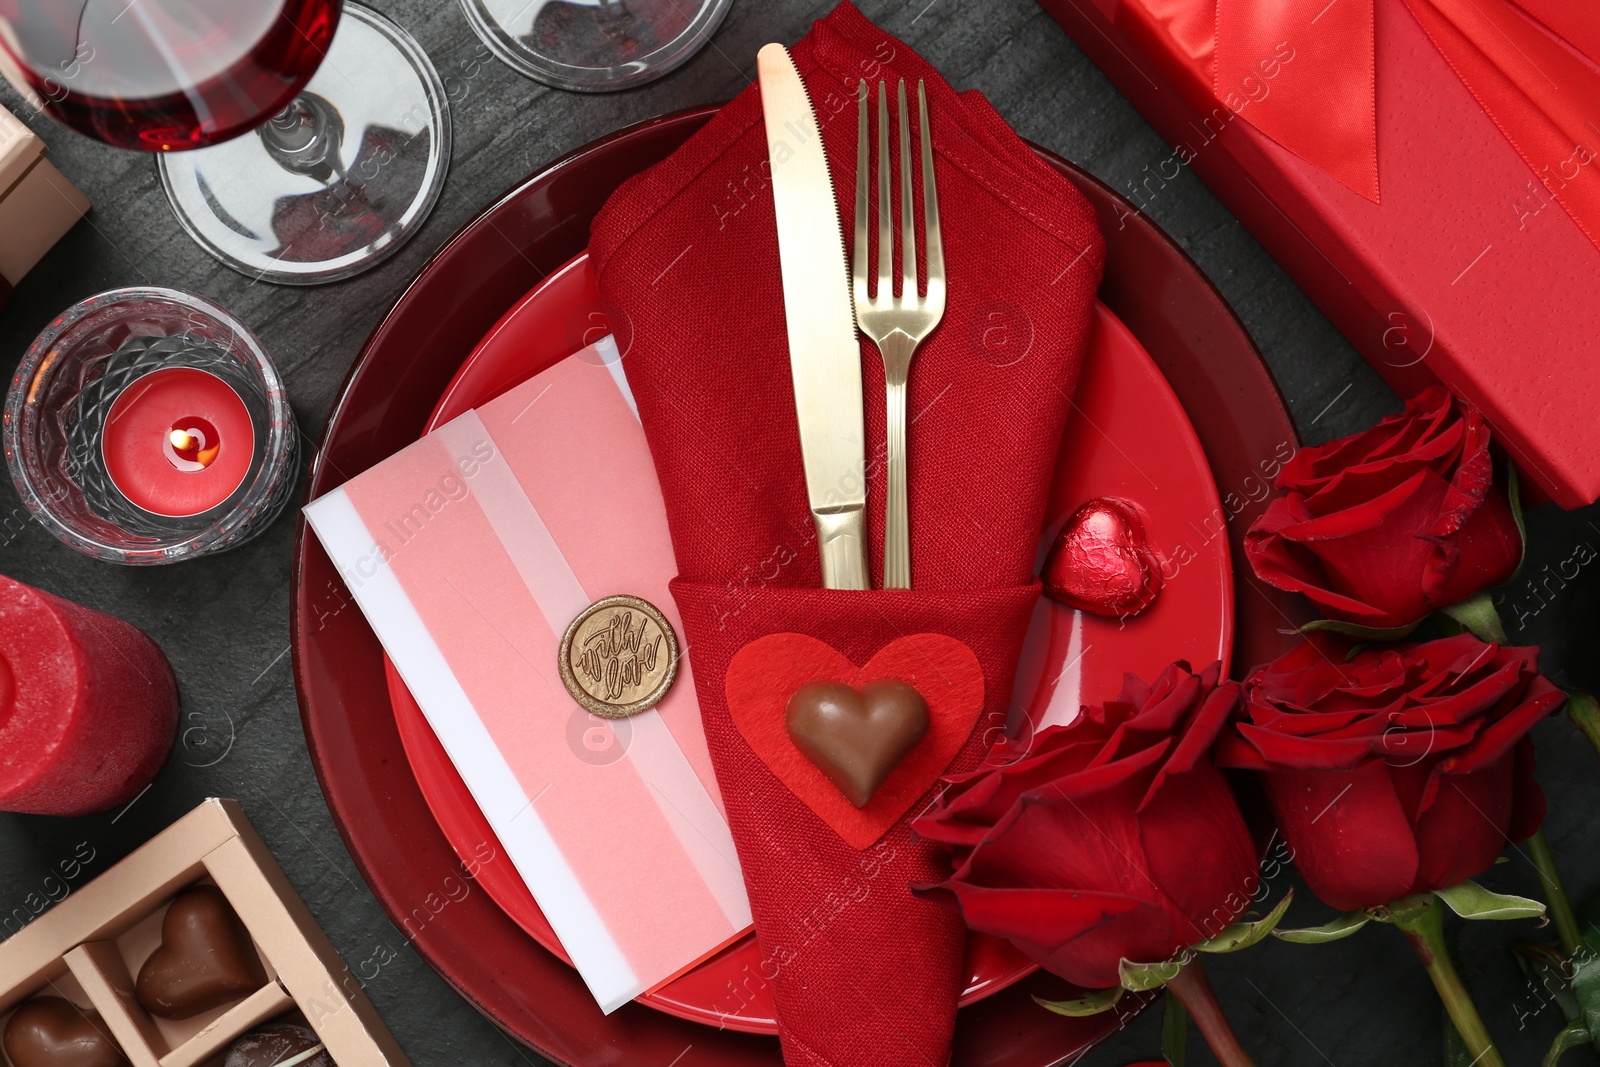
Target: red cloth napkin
{"type": "Point", "coordinates": [687, 259]}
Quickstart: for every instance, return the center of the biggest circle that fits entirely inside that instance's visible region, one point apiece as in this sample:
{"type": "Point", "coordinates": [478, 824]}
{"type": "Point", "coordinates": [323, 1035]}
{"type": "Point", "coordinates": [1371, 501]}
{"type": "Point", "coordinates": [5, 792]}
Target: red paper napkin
{"type": "Point", "coordinates": [687, 259]}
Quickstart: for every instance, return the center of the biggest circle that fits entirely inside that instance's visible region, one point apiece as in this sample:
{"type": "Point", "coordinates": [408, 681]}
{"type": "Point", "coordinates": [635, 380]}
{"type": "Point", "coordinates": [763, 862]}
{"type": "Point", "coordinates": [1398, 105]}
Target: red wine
{"type": "Point", "coordinates": [160, 75]}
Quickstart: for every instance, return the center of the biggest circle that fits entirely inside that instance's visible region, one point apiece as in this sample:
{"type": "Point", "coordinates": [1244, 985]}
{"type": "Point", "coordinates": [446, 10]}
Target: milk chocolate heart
{"type": "Point", "coordinates": [205, 958]}
{"type": "Point", "coordinates": [1101, 562]}
{"type": "Point", "coordinates": [856, 737]}
{"type": "Point", "coordinates": [51, 1032]}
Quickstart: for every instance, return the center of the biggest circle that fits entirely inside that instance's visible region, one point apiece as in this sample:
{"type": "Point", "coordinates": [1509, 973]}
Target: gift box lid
{"type": "Point", "coordinates": [1466, 270]}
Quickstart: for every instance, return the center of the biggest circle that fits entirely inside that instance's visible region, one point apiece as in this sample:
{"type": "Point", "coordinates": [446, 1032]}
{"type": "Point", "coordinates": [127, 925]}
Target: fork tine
{"type": "Point", "coordinates": [858, 260]}
{"type": "Point", "coordinates": [934, 242]}
{"type": "Point", "coordinates": [885, 227]}
{"type": "Point", "coordinates": [908, 222]}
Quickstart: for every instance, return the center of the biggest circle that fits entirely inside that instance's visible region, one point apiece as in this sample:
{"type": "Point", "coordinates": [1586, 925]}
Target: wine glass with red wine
{"type": "Point", "coordinates": [292, 153]}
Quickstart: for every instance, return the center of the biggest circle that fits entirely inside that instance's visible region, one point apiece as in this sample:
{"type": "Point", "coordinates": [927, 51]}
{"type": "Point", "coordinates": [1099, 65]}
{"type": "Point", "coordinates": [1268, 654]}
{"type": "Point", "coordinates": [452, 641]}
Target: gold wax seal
{"type": "Point", "coordinates": [619, 657]}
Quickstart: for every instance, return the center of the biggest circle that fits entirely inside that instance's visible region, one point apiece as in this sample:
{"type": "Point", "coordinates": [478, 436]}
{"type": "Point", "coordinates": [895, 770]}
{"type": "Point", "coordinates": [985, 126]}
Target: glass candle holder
{"type": "Point", "coordinates": [148, 426]}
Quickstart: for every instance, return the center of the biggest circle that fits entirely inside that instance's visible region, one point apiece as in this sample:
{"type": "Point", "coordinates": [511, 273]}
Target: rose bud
{"type": "Point", "coordinates": [1402, 769]}
{"type": "Point", "coordinates": [1383, 527]}
{"type": "Point", "coordinates": [1111, 838]}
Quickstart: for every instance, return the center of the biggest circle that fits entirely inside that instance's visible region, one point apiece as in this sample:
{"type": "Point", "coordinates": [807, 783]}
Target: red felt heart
{"type": "Point", "coordinates": [1101, 562]}
{"type": "Point", "coordinates": [765, 673]}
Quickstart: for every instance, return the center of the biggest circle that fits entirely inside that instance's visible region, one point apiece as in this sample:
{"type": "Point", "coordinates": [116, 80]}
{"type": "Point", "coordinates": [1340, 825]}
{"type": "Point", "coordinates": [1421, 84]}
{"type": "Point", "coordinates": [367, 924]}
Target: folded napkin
{"type": "Point", "coordinates": [687, 259]}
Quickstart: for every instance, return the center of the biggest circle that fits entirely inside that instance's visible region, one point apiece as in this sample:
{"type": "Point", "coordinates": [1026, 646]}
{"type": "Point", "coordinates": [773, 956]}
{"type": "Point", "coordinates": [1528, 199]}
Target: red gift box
{"type": "Point", "coordinates": [1470, 267]}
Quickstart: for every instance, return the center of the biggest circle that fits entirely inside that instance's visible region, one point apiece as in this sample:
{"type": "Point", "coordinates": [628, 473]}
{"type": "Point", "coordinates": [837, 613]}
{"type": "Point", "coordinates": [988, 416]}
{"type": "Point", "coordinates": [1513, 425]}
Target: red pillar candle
{"type": "Point", "coordinates": [88, 706]}
{"type": "Point", "coordinates": [178, 441]}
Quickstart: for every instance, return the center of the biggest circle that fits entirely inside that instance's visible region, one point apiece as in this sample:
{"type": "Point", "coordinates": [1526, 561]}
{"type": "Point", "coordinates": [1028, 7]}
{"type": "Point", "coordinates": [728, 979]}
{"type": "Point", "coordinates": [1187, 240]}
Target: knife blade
{"type": "Point", "coordinates": [824, 355]}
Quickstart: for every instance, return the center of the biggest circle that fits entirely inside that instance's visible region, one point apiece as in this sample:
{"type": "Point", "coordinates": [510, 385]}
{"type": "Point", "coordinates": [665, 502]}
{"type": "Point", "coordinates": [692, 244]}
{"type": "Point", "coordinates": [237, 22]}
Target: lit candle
{"type": "Point", "coordinates": [178, 442]}
{"type": "Point", "coordinates": [88, 706]}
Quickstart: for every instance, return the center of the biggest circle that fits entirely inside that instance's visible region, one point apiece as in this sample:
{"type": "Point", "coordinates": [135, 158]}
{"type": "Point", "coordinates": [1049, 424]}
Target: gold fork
{"type": "Point", "coordinates": [897, 324]}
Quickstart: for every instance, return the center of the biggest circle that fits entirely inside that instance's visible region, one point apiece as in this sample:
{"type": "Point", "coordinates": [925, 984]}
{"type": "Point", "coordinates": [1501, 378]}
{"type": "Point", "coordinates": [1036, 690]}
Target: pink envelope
{"type": "Point", "coordinates": [469, 553]}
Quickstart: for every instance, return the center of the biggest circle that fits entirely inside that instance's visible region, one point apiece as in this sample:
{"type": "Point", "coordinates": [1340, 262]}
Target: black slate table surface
{"type": "Point", "coordinates": [224, 622]}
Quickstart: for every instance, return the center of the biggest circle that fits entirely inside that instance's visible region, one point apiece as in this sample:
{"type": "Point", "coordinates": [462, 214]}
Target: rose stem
{"type": "Point", "coordinates": [1555, 894]}
{"type": "Point", "coordinates": [1194, 991]}
{"type": "Point", "coordinates": [1425, 931]}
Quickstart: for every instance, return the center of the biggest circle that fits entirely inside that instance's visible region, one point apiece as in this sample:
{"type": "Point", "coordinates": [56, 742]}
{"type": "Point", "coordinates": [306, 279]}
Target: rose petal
{"type": "Point", "coordinates": [1213, 885]}
{"type": "Point", "coordinates": [1136, 767]}
{"type": "Point", "coordinates": [1527, 799]}
{"type": "Point", "coordinates": [1089, 843]}
{"type": "Point", "coordinates": [1215, 709]}
{"type": "Point", "coordinates": [1541, 699]}
{"type": "Point", "coordinates": [1285, 565]}
{"type": "Point", "coordinates": [1080, 936]}
{"type": "Point", "coordinates": [1352, 842]}
{"type": "Point", "coordinates": [1464, 829]}
{"type": "Point", "coordinates": [1301, 753]}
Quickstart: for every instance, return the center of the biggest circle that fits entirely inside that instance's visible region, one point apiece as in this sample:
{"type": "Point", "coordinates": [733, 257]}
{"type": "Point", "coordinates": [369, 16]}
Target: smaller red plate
{"type": "Point", "coordinates": [1128, 437]}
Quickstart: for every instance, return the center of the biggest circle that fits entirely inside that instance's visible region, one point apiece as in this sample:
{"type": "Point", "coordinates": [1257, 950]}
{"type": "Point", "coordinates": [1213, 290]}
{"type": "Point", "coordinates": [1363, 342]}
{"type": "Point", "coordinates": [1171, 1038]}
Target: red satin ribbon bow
{"type": "Point", "coordinates": [1529, 63]}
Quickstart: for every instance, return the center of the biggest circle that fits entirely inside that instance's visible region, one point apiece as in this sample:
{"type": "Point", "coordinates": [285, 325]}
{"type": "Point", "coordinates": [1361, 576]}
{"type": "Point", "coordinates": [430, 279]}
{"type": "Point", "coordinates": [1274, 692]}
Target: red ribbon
{"type": "Point", "coordinates": [1530, 64]}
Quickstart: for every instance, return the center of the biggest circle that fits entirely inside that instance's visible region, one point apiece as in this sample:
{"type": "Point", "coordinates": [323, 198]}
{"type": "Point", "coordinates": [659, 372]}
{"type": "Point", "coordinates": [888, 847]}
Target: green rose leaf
{"type": "Point", "coordinates": [1478, 616]}
{"type": "Point", "coordinates": [1569, 1038]}
{"type": "Point", "coordinates": [1584, 710]}
{"type": "Point", "coordinates": [1343, 926]}
{"type": "Point", "coordinates": [1545, 964]}
{"type": "Point", "coordinates": [1355, 629]}
{"type": "Point", "coordinates": [1586, 986]}
{"type": "Point", "coordinates": [1243, 935]}
{"type": "Point", "coordinates": [1140, 977]}
{"type": "Point", "coordinates": [1471, 901]}
{"type": "Point", "coordinates": [1093, 1004]}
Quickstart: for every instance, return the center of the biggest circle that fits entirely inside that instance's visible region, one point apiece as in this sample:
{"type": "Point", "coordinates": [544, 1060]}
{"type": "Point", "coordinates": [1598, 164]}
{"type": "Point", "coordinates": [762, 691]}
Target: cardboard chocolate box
{"type": "Point", "coordinates": [89, 947]}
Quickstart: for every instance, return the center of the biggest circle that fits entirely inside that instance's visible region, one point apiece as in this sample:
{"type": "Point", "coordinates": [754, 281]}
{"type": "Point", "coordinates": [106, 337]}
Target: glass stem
{"type": "Point", "coordinates": [1193, 989]}
{"type": "Point", "coordinates": [1425, 931]}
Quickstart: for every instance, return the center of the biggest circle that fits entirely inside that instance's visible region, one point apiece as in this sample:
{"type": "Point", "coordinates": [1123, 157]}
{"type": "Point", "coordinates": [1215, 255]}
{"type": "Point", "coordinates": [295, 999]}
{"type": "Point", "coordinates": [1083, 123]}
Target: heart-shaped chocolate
{"type": "Point", "coordinates": [856, 736]}
{"type": "Point", "coordinates": [205, 958]}
{"type": "Point", "coordinates": [51, 1032]}
{"type": "Point", "coordinates": [279, 1045]}
{"type": "Point", "coordinates": [1101, 562]}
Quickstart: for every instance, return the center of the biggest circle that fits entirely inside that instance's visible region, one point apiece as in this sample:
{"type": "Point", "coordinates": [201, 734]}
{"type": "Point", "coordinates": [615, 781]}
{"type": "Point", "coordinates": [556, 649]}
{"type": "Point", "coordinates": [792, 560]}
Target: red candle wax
{"type": "Point", "coordinates": [88, 706]}
{"type": "Point", "coordinates": [178, 441]}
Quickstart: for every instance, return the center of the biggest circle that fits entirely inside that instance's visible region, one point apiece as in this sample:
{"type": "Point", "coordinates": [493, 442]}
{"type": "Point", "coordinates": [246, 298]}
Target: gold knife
{"type": "Point", "coordinates": [824, 355]}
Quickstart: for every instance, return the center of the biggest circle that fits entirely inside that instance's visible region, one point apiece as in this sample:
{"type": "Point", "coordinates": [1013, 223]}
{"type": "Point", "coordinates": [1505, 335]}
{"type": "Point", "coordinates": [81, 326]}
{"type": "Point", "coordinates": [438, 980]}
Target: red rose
{"type": "Point", "coordinates": [1399, 770]}
{"type": "Point", "coordinates": [1386, 526]}
{"type": "Point", "coordinates": [1111, 838]}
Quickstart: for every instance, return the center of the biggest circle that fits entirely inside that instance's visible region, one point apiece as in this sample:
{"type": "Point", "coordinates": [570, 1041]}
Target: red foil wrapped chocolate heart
{"type": "Point", "coordinates": [1101, 561]}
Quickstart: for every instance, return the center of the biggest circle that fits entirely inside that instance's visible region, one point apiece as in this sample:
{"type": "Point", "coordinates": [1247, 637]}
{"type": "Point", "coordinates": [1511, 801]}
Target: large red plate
{"type": "Point", "coordinates": [386, 400]}
{"type": "Point", "coordinates": [1128, 437]}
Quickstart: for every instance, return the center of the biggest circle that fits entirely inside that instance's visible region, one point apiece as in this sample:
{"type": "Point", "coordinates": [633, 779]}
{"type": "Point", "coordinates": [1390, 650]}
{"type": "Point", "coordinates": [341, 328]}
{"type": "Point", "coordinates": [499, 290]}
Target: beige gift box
{"type": "Point", "coordinates": [87, 948]}
{"type": "Point", "coordinates": [37, 204]}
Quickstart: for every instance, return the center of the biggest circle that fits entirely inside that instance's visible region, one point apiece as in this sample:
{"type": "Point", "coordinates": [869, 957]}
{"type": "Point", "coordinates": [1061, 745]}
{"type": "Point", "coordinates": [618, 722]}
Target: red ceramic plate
{"type": "Point", "coordinates": [468, 286]}
{"type": "Point", "coordinates": [1128, 438]}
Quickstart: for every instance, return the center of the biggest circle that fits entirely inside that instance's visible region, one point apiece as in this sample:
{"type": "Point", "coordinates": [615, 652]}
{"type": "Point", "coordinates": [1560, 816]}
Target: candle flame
{"type": "Point", "coordinates": [181, 440]}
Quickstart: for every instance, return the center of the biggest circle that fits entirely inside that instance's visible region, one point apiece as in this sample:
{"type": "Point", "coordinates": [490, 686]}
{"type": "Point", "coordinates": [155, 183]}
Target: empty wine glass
{"type": "Point", "coordinates": [595, 45]}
